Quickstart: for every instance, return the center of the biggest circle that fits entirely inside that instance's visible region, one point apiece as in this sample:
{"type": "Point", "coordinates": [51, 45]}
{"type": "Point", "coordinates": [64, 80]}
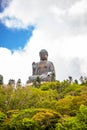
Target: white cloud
{"type": "Point", "coordinates": [13, 22]}
{"type": "Point", "coordinates": [58, 29]}
{"type": "Point", "coordinates": [79, 8]}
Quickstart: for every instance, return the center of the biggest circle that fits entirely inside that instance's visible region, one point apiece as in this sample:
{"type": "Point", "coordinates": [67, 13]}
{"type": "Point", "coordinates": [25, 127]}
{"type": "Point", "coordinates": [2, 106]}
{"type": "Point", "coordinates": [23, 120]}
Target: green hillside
{"type": "Point", "coordinates": [49, 106]}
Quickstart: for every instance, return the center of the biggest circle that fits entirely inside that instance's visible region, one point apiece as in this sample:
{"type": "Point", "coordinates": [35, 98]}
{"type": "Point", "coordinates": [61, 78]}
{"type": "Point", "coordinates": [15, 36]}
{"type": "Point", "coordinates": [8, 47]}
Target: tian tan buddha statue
{"type": "Point", "coordinates": [43, 69]}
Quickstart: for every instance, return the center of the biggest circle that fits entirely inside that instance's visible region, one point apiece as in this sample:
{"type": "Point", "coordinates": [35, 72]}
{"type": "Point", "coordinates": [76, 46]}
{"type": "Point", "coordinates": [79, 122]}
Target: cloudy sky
{"type": "Point", "coordinates": [27, 26]}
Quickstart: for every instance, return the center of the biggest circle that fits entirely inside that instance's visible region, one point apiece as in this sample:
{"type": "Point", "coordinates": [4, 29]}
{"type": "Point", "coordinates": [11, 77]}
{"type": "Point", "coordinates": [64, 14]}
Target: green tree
{"type": "Point", "coordinates": [1, 79]}
{"type": "Point", "coordinates": [18, 84]}
{"type": "Point", "coordinates": [2, 119]}
{"type": "Point", "coordinates": [79, 122]}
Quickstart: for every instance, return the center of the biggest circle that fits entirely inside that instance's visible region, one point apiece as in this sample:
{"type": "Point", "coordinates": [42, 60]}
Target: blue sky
{"type": "Point", "coordinates": [14, 39]}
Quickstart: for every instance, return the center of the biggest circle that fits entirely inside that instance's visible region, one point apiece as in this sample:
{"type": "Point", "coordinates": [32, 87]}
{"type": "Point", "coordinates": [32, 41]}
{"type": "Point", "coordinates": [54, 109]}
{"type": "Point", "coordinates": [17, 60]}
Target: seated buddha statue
{"type": "Point", "coordinates": [43, 69]}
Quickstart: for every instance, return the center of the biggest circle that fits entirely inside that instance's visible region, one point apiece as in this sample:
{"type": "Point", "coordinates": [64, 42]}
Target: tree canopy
{"type": "Point", "coordinates": [49, 106]}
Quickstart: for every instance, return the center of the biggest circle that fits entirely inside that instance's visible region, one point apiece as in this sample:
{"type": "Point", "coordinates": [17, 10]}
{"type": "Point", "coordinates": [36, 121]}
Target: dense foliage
{"type": "Point", "coordinates": [49, 106]}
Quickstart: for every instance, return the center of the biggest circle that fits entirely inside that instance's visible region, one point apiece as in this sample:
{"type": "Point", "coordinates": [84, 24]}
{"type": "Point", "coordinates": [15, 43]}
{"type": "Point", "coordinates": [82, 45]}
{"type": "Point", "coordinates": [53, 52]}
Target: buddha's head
{"type": "Point", "coordinates": [43, 54]}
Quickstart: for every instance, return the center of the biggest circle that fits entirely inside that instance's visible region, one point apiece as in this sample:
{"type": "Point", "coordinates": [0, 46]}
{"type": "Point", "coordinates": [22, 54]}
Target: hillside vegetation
{"type": "Point", "coordinates": [49, 106]}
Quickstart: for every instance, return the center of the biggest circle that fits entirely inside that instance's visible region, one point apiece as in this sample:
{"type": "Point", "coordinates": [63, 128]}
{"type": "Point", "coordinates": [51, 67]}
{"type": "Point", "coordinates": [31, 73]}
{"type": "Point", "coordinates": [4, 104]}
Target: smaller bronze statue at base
{"type": "Point", "coordinates": [44, 70]}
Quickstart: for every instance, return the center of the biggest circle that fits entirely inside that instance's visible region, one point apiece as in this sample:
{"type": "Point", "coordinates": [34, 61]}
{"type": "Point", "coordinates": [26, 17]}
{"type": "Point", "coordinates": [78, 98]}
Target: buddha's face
{"type": "Point", "coordinates": [43, 55]}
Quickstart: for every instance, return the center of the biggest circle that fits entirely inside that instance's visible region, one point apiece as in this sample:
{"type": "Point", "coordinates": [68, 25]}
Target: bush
{"type": "Point", "coordinates": [2, 119]}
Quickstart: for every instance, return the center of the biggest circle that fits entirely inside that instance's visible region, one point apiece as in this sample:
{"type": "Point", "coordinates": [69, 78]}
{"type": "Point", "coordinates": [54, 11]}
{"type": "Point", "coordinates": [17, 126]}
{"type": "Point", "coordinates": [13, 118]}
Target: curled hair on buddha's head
{"type": "Point", "coordinates": [43, 51]}
{"type": "Point", "coordinates": [43, 54]}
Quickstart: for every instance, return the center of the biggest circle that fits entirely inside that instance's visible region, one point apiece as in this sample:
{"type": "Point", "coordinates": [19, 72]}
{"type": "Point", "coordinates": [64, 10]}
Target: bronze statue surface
{"type": "Point", "coordinates": [43, 69]}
